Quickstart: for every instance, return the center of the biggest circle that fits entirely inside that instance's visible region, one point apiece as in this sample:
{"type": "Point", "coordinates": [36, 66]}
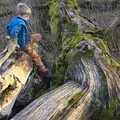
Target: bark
{"type": "Point", "coordinates": [12, 81]}
{"type": "Point", "coordinates": [47, 105]}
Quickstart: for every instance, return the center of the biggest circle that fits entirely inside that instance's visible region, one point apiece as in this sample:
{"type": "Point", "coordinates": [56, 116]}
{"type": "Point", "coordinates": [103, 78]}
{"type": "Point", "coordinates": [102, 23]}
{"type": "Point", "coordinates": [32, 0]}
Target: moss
{"type": "Point", "coordinates": [53, 25]}
{"type": "Point", "coordinates": [54, 7]}
{"type": "Point", "coordinates": [69, 43]}
{"type": "Point", "coordinates": [88, 54]}
{"type": "Point", "coordinates": [73, 101]}
{"type": "Point", "coordinates": [73, 3]}
{"type": "Point", "coordinates": [102, 44]}
{"type": "Point", "coordinates": [59, 115]}
{"type": "Point", "coordinates": [111, 61]}
{"type": "Point", "coordinates": [76, 55]}
{"type": "Point", "coordinates": [56, 117]}
{"type": "Point", "coordinates": [114, 62]}
{"type": "Point", "coordinates": [54, 15]}
{"type": "Point", "coordinates": [102, 75]}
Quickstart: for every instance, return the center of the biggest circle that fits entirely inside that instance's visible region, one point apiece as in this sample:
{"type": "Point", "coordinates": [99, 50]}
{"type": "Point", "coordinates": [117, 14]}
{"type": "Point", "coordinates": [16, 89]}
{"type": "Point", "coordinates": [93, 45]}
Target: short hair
{"type": "Point", "coordinates": [23, 9]}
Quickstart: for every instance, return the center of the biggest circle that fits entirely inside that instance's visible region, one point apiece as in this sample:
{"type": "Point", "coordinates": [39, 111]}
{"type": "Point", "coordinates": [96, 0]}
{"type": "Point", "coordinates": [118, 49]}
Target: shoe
{"type": "Point", "coordinates": [45, 70]}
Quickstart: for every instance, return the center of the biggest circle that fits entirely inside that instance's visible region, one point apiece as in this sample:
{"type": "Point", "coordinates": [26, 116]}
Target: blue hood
{"type": "Point", "coordinates": [18, 30]}
{"type": "Point", "coordinates": [15, 22]}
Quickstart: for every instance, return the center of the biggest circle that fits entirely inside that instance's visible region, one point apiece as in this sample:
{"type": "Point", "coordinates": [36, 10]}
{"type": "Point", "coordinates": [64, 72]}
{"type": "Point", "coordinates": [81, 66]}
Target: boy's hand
{"type": "Point", "coordinates": [36, 37]}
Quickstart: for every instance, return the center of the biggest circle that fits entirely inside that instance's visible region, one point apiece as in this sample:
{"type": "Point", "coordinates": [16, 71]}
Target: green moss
{"type": "Point", "coordinates": [54, 15]}
{"type": "Point", "coordinates": [72, 3]}
{"type": "Point", "coordinates": [54, 8]}
{"type": "Point", "coordinates": [70, 41]}
{"type": "Point", "coordinates": [59, 115]}
{"type": "Point", "coordinates": [114, 62]}
{"type": "Point", "coordinates": [76, 55]}
{"type": "Point", "coordinates": [87, 54]}
{"type": "Point", "coordinates": [102, 44]}
{"type": "Point", "coordinates": [73, 101]}
{"type": "Point", "coordinates": [101, 73]}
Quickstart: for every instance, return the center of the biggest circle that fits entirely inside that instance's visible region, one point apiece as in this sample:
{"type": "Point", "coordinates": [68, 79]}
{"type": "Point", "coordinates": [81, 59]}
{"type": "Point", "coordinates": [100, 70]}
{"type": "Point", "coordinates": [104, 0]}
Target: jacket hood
{"type": "Point", "coordinates": [15, 22]}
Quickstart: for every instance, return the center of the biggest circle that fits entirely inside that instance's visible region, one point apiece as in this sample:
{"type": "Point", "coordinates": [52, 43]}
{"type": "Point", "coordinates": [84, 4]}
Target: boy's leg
{"type": "Point", "coordinates": [43, 71]}
{"type": "Point", "coordinates": [35, 56]}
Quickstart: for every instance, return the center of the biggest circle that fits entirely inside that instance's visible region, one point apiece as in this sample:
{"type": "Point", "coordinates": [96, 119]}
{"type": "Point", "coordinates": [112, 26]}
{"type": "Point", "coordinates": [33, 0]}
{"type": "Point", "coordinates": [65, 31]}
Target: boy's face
{"type": "Point", "coordinates": [28, 16]}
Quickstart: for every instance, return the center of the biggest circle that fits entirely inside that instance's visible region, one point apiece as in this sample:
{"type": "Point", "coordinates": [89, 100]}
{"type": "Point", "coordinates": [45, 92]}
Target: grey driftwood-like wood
{"type": "Point", "coordinates": [47, 105]}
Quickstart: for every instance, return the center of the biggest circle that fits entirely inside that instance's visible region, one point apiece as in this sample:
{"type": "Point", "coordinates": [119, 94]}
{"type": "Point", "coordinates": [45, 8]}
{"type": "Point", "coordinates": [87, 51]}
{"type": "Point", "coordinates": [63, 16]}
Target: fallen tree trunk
{"type": "Point", "coordinates": [49, 104]}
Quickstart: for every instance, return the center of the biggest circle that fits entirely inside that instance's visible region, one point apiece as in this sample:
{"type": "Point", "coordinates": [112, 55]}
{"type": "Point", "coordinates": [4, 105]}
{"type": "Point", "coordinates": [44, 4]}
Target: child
{"type": "Point", "coordinates": [18, 30]}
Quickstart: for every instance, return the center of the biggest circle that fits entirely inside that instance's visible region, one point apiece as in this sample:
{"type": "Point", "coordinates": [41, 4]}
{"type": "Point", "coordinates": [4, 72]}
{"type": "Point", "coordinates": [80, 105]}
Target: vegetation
{"type": "Point", "coordinates": [73, 3]}
{"type": "Point", "coordinates": [73, 101]}
{"type": "Point", "coordinates": [68, 38]}
{"type": "Point", "coordinates": [109, 113]}
{"type": "Point", "coordinates": [54, 15]}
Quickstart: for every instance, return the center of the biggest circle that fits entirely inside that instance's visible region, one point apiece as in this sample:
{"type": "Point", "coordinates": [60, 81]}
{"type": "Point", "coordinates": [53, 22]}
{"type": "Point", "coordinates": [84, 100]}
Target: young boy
{"type": "Point", "coordinates": [18, 30]}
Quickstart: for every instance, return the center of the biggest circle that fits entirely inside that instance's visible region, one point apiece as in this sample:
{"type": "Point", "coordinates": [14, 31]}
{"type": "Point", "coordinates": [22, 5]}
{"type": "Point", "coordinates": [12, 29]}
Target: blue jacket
{"type": "Point", "coordinates": [18, 30]}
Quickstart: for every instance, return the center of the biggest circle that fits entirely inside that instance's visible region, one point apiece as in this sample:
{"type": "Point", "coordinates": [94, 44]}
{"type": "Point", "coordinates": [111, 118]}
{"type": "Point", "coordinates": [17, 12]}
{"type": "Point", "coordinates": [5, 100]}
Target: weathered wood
{"type": "Point", "coordinates": [75, 17]}
{"type": "Point", "coordinates": [10, 49]}
{"type": "Point", "coordinates": [49, 104]}
{"type": "Point", "coordinates": [17, 75]}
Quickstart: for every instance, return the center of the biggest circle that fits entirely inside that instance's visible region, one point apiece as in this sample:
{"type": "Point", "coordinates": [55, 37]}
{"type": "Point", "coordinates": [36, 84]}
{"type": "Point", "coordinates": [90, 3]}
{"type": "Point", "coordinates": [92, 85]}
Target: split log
{"type": "Point", "coordinates": [16, 75]}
